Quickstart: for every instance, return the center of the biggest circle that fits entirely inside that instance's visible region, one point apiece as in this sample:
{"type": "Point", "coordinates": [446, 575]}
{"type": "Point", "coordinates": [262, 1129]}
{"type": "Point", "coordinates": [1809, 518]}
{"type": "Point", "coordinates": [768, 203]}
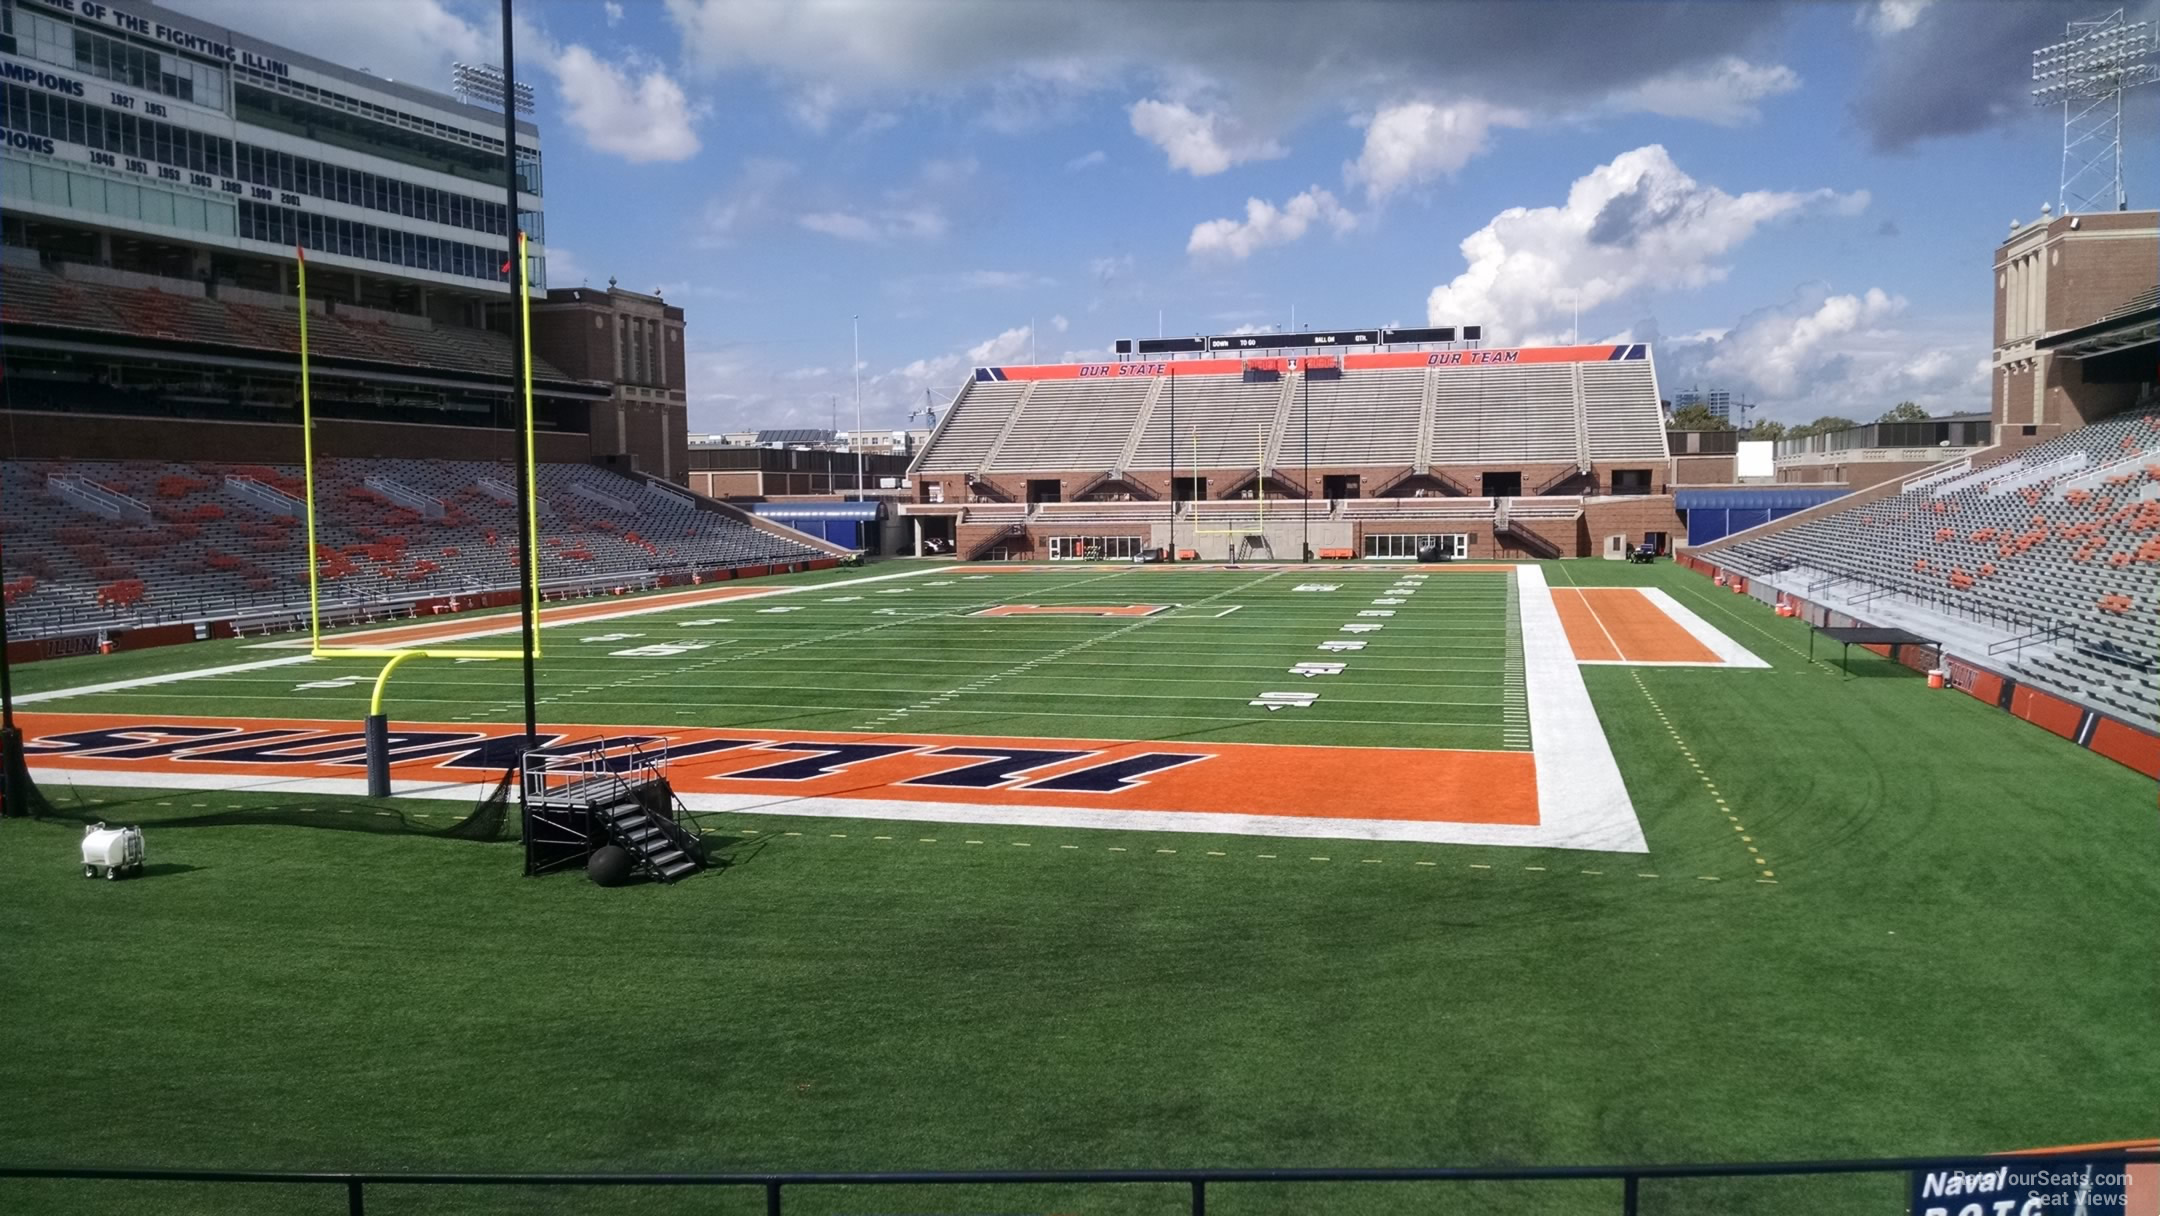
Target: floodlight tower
{"type": "Point", "coordinates": [2087, 73]}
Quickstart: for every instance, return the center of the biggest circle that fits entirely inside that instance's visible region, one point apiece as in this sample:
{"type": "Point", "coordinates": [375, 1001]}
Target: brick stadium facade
{"type": "Point", "coordinates": [2054, 277]}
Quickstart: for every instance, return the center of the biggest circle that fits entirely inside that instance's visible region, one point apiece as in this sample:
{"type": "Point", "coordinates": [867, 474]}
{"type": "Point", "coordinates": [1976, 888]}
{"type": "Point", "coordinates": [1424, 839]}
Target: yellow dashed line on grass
{"type": "Point", "coordinates": [1754, 854]}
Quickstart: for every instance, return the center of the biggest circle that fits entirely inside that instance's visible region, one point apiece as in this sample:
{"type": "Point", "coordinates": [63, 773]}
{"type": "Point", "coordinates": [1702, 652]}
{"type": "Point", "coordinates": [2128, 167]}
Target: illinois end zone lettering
{"type": "Point", "coordinates": [830, 758]}
{"type": "Point", "coordinates": [1007, 765]}
{"type": "Point", "coordinates": [1116, 776]}
{"type": "Point", "coordinates": [146, 742]}
{"type": "Point", "coordinates": [1367, 793]}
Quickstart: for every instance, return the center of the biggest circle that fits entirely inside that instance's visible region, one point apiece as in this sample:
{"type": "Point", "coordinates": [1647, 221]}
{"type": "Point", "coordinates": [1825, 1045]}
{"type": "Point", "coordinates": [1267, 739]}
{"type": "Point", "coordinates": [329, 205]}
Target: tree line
{"type": "Point", "coordinates": [1699, 418]}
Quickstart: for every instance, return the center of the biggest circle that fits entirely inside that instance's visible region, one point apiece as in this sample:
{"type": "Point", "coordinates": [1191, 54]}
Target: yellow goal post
{"type": "Point", "coordinates": [316, 646]}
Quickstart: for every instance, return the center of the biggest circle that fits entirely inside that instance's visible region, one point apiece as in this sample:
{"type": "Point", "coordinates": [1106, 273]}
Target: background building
{"type": "Point", "coordinates": [634, 342]}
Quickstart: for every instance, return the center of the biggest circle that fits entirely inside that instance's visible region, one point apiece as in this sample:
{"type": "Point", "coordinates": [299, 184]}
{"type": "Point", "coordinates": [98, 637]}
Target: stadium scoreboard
{"type": "Point", "coordinates": [1299, 341]}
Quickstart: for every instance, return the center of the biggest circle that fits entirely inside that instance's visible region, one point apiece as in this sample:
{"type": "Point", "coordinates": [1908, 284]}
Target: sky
{"type": "Point", "coordinates": [1794, 202]}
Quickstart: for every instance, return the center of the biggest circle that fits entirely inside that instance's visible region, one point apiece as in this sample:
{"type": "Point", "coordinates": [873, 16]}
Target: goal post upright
{"type": "Point", "coordinates": [307, 467]}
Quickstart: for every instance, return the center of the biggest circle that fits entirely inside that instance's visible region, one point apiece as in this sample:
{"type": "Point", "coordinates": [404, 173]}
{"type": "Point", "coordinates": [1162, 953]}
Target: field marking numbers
{"type": "Point", "coordinates": [1309, 670]}
{"type": "Point", "coordinates": [659, 650]}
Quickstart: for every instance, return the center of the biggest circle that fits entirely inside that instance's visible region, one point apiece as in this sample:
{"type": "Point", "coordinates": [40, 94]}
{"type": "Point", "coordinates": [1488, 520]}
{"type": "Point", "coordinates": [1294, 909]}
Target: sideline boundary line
{"type": "Point", "coordinates": [1581, 797]}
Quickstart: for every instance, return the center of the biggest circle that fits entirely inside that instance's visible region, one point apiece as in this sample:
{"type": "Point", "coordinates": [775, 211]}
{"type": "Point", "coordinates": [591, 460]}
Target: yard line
{"type": "Point", "coordinates": [168, 678]}
{"type": "Point", "coordinates": [1227, 611]}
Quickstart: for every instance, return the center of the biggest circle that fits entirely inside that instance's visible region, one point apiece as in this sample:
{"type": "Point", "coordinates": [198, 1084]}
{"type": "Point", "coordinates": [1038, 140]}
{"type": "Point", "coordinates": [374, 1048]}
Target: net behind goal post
{"type": "Point", "coordinates": [529, 525]}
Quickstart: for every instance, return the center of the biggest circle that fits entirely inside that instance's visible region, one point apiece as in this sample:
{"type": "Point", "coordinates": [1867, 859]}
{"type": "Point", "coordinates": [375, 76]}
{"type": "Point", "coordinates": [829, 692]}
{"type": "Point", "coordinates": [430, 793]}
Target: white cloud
{"type": "Point", "coordinates": [1009, 65]}
{"type": "Point", "coordinates": [636, 112]}
{"type": "Point", "coordinates": [1635, 222]}
{"type": "Point", "coordinates": [1414, 142]}
{"type": "Point", "coordinates": [1005, 348]}
{"type": "Point", "coordinates": [1108, 270]}
{"type": "Point", "coordinates": [1886, 17]}
{"type": "Point", "coordinates": [841, 224]}
{"type": "Point", "coordinates": [1089, 161]}
{"type": "Point", "coordinates": [1778, 350]}
{"type": "Point", "coordinates": [1266, 224]}
{"type": "Point", "coordinates": [1724, 92]}
{"type": "Point", "coordinates": [1201, 144]}
{"type": "Point", "coordinates": [1059, 323]}
{"type": "Point", "coordinates": [614, 12]}
{"type": "Point", "coordinates": [1851, 354]}
{"type": "Point", "coordinates": [917, 222]}
{"type": "Point", "coordinates": [754, 200]}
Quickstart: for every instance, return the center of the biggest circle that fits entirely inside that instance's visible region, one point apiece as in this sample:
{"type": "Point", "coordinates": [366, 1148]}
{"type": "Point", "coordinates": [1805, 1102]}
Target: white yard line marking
{"type": "Point", "coordinates": [670, 601]}
{"type": "Point", "coordinates": [1582, 801]}
{"type": "Point", "coordinates": [1227, 611]}
{"type": "Point", "coordinates": [175, 677]}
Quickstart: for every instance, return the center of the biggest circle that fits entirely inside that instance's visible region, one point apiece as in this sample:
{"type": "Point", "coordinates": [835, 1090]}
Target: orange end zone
{"type": "Point", "coordinates": [1244, 779]}
{"type": "Point", "coordinates": [1621, 624]}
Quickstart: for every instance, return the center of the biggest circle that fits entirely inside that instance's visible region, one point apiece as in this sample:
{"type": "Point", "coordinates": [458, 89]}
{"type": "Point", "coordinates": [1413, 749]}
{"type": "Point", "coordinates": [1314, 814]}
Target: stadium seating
{"type": "Point", "coordinates": [974, 425]}
{"type": "Point", "coordinates": [95, 544]}
{"type": "Point", "coordinates": [1071, 424]}
{"type": "Point", "coordinates": [35, 296]}
{"type": "Point", "coordinates": [1367, 419]}
{"type": "Point", "coordinates": [1225, 416]}
{"type": "Point", "coordinates": [2054, 554]}
{"type": "Point", "coordinates": [1526, 414]}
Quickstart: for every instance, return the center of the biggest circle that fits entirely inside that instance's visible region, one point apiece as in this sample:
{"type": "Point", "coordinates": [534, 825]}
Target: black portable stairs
{"type": "Point", "coordinates": [606, 793]}
{"type": "Point", "coordinates": [658, 845]}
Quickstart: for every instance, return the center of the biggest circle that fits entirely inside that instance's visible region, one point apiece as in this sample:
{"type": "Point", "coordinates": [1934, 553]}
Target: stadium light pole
{"type": "Point", "coordinates": [528, 532]}
{"type": "Point", "coordinates": [1170, 554]}
{"type": "Point", "coordinates": [1305, 420]}
{"type": "Point", "coordinates": [860, 496]}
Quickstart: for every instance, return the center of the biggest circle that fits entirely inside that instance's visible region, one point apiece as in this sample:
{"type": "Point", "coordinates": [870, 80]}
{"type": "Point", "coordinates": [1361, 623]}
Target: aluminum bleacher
{"type": "Point", "coordinates": [2056, 554]}
{"type": "Point", "coordinates": [1529, 413]}
{"type": "Point", "coordinates": [212, 541]}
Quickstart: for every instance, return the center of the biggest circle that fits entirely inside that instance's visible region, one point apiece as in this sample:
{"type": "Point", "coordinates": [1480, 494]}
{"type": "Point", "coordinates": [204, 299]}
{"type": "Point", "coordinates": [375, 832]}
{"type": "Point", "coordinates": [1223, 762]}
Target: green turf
{"type": "Point", "coordinates": [1954, 955]}
{"type": "Point", "coordinates": [1432, 676]}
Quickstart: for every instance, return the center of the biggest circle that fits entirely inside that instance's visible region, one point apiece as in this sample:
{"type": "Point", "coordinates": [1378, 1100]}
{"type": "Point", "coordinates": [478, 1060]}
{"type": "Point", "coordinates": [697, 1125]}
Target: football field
{"type": "Point", "coordinates": [1567, 862]}
{"type": "Point", "coordinates": [1361, 702]}
{"type": "Point", "coordinates": [1125, 651]}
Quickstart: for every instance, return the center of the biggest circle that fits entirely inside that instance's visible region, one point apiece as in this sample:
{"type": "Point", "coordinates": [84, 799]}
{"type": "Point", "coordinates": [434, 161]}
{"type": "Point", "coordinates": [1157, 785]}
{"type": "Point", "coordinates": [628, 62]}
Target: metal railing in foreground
{"type": "Point", "coordinates": [1194, 1182]}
